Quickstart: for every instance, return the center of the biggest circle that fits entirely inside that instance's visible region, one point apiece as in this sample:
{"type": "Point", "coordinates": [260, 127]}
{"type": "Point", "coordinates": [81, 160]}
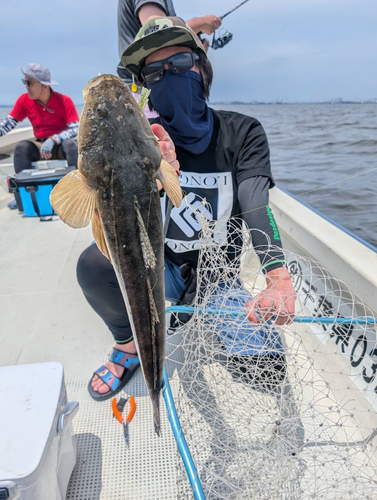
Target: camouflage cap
{"type": "Point", "coordinates": [158, 33]}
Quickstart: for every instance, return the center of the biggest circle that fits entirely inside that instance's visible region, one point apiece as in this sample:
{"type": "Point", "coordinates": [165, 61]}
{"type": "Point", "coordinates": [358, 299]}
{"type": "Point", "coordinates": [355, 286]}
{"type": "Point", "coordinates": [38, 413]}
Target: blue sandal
{"type": "Point", "coordinates": [114, 383]}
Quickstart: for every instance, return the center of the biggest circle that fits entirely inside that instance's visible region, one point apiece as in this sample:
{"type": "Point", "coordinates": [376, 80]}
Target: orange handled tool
{"type": "Point", "coordinates": [131, 413]}
{"type": "Point", "coordinates": [116, 412]}
{"type": "Point", "coordinates": [129, 417]}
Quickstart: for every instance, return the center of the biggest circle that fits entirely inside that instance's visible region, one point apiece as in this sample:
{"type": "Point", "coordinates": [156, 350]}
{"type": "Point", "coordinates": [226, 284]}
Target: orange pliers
{"type": "Point", "coordinates": [129, 417]}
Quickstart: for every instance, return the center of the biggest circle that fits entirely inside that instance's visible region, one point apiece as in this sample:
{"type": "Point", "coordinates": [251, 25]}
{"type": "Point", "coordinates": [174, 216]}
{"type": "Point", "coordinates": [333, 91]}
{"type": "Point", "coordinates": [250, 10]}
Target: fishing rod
{"type": "Point", "coordinates": [221, 41]}
{"type": "Point", "coordinates": [235, 8]}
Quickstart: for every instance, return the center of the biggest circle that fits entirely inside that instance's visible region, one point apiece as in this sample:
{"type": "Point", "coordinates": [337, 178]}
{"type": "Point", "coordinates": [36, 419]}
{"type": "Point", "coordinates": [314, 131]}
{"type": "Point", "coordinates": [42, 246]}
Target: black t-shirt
{"type": "Point", "coordinates": [238, 150]}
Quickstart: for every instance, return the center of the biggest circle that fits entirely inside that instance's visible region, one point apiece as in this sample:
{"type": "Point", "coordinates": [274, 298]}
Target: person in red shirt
{"type": "Point", "coordinates": [53, 116]}
{"type": "Point", "coordinates": [54, 119]}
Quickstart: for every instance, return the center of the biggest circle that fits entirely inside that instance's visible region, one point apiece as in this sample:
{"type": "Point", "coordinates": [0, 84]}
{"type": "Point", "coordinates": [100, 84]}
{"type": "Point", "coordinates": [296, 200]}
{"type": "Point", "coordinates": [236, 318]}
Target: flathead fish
{"type": "Point", "coordinates": [115, 188]}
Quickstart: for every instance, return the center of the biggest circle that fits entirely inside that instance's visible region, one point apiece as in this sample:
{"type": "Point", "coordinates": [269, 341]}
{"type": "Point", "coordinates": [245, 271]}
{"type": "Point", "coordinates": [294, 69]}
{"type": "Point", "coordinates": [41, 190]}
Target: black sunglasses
{"type": "Point", "coordinates": [178, 63]}
{"type": "Point", "coordinates": [29, 83]}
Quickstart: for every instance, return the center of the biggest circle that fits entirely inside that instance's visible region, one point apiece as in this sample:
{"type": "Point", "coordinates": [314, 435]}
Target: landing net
{"type": "Point", "coordinates": [268, 412]}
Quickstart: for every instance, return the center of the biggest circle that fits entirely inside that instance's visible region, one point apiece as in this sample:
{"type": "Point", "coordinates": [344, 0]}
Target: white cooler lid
{"type": "Point", "coordinates": [29, 397]}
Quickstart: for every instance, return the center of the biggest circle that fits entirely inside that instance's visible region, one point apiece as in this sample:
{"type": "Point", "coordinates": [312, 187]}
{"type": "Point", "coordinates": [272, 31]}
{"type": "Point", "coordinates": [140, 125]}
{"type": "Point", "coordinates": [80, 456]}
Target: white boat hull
{"type": "Point", "coordinates": [305, 232]}
{"type": "Point", "coordinates": [9, 141]}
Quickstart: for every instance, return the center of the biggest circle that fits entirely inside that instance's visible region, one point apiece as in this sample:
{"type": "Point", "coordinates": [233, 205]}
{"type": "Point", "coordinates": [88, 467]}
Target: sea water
{"type": "Point", "coordinates": [324, 154]}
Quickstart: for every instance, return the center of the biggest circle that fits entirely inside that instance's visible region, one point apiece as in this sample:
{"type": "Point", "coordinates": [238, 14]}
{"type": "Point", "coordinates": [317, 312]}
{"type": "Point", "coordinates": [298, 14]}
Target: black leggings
{"type": "Point", "coordinates": [98, 281]}
{"type": "Point", "coordinates": [26, 151]}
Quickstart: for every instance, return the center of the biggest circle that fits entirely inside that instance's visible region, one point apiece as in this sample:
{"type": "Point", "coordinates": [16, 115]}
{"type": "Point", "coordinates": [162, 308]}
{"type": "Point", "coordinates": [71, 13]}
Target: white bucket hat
{"type": "Point", "coordinates": [40, 73]}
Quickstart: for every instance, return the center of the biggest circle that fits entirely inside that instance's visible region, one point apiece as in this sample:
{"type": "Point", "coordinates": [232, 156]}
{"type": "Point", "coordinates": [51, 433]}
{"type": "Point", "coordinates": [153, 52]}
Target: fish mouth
{"type": "Point", "coordinates": [97, 80]}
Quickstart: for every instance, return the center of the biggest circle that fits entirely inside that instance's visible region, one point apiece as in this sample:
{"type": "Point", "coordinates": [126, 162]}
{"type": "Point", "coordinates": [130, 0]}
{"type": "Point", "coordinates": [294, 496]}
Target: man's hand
{"type": "Point", "coordinates": [166, 145]}
{"type": "Point", "coordinates": [210, 24]}
{"type": "Point", "coordinates": [277, 299]}
{"type": "Point", "coordinates": [46, 149]}
{"type": "Point", "coordinates": [205, 24]}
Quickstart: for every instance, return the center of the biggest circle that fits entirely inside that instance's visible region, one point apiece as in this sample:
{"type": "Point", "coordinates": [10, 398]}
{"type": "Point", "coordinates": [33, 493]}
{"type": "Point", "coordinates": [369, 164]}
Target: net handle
{"type": "Point", "coordinates": [298, 319]}
{"type": "Point", "coordinates": [180, 439]}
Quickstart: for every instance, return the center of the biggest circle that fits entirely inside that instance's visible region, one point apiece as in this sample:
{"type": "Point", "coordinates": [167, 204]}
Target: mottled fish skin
{"type": "Point", "coordinates": [119, 156]}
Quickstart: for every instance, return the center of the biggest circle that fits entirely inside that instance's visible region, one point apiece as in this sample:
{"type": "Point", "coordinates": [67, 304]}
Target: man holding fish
{"type": "Point", "coordinates": [222, 157]}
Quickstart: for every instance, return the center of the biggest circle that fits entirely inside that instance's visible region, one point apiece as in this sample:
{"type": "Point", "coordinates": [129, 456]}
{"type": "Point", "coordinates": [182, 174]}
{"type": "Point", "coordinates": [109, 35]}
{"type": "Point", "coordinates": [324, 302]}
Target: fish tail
{"type": "Point", "coordinates": [156, 416]}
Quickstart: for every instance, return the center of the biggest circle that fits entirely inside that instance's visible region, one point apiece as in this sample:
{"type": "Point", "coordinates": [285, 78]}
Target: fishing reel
{"type": "Point", "coordinates": [222, 40]}
{"type": "Point", "coordinates": [226, 37]}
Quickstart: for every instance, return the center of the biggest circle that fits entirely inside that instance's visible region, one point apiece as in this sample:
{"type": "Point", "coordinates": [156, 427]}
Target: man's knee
{"type": "Point", "coordinates": [24, 153]}
{"type": "Point", "coordinates": [93, 269]}
{"type": "Point", "coordinates": [69, 144]}
{"type": "Point", "coordinates": [27, 148]}
{"type": "Point", "coordinates": [70, 152]}
{"type": "Point", "coordinates": [69, 147]}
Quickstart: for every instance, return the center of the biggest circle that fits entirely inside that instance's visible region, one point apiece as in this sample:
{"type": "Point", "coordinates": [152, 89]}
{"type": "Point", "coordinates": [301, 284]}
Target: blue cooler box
{"type": "Point", "coordinates": [32, 189]}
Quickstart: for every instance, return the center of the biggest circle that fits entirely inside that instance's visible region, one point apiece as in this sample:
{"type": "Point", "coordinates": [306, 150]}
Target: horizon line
{"type": "Point", "coordinates": [278, 102]}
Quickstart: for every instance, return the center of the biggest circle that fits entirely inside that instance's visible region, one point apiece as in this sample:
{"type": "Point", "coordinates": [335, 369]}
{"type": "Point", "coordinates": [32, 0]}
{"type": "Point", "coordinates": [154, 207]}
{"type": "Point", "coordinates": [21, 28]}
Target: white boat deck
{"type": "Point", "coordinates": [45, 317]}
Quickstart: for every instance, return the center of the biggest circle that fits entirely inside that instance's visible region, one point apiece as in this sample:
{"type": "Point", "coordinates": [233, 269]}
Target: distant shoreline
{"type": "Point", "coordinates": [274, 103]}
{"type": "Point", "coordinates": [260, 103]}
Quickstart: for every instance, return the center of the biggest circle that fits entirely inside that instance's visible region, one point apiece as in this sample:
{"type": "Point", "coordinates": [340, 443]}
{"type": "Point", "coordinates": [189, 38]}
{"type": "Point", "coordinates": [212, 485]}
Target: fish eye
{"type": "Point", "coordinates": [102, 110]}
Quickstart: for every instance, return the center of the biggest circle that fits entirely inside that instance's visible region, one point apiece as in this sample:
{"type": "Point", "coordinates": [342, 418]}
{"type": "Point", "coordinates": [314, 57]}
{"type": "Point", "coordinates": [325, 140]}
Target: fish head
{"type": "Point", "coordinates": [113, 128]}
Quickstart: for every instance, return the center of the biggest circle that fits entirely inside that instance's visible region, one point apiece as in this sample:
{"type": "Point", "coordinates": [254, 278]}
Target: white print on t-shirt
{"type": "Point", "coordinates": [189, 214]}
{"type": "Point", "coordinates": [184, 225]}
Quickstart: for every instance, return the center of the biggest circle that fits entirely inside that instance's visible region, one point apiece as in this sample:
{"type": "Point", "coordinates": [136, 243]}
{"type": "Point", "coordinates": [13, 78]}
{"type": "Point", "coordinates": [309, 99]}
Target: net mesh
{"type": "Point", "coordinates": [273, 412]}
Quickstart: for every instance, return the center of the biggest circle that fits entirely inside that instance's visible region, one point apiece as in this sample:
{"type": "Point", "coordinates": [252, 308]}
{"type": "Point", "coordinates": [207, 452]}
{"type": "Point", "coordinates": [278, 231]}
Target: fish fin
{"type": "Point", "coordinates": [154, 313]}
{"type": "Point", "coordinates": [170, 182]}
{"type": "Point", "coordinates": [146, 246]}
{"type": "Point", "coordinates": [98, 234]}
{"type": "Point", "coordinates": [156, 414]}
{"type": "Point", "coordinates": [154, 319]}
{"type": "Point", "coordinates": [73, 199]}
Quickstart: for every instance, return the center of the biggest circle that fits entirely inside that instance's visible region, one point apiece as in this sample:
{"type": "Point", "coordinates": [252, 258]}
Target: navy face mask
{"type": "Point", "coordinates": [179, 99]}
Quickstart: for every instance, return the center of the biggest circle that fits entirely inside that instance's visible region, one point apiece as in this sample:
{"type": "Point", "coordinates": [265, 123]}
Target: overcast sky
{"type": "Point", "coordinates": [294, 50]}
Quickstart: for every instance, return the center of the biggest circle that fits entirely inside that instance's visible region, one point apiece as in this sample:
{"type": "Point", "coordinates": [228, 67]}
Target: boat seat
{"type": "Point", "coordinates": [47, 164]}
